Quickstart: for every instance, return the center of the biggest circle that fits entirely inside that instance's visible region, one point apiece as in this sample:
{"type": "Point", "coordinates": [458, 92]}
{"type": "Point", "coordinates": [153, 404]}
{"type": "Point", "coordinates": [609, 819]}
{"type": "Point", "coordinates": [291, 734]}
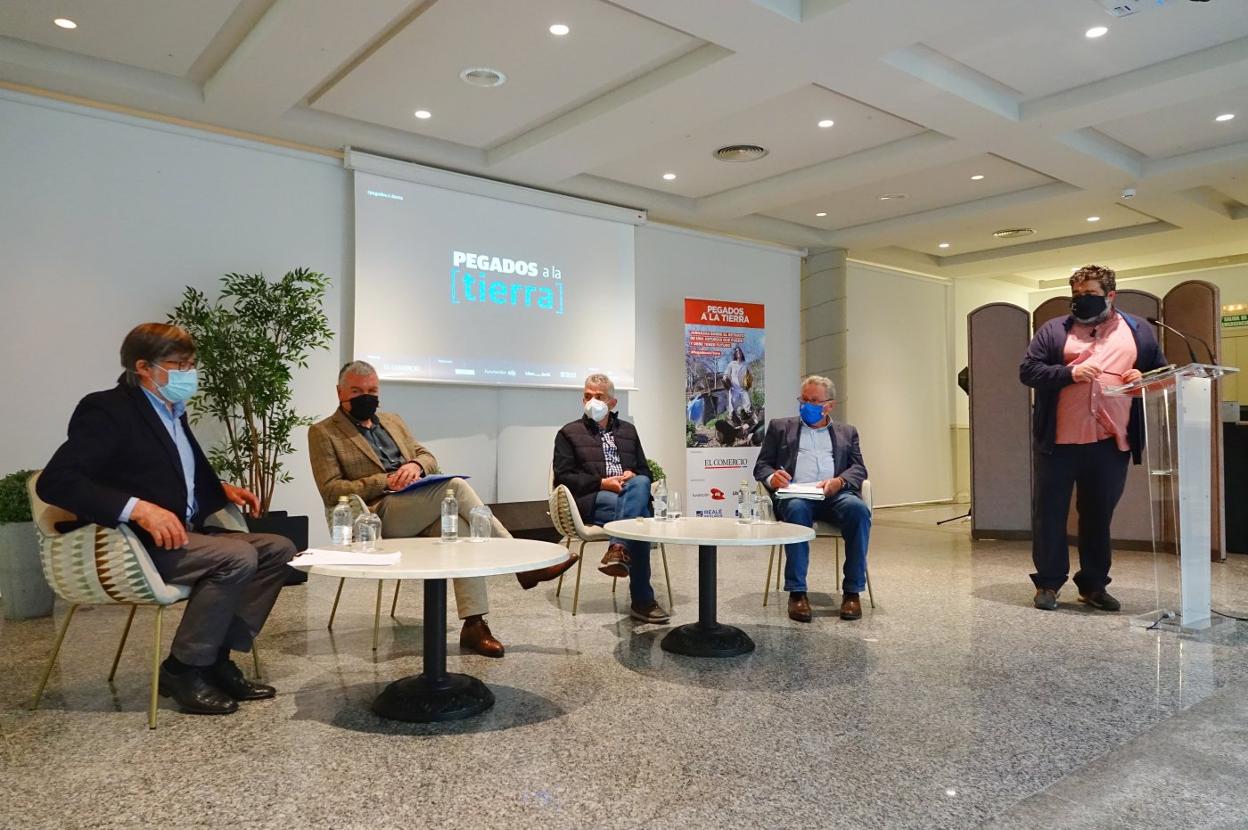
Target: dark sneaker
{"type": "Point", "coordinates": [648, 612]}
{"type": "Point", "coordinates": [1101, 600]}
{"type": "Point", "coordinates": [615, 562]}
{"type": "Point", "coordinates": [1046, 599]}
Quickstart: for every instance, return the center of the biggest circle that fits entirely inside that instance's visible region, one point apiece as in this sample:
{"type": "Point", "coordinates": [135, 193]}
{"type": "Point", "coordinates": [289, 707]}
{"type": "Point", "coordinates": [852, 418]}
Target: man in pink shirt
{"type": "Point", "coordinates": [1083, 437]}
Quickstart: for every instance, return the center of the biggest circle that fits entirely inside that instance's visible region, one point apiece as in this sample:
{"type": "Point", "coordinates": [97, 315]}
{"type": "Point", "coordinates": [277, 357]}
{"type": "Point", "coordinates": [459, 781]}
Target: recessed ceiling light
{"type": "Point", "coordinates": [890, 196]}
{"type": "Point", "coordinates": [1095, 31]}
{"type": "Point", "coordinates": [1226, 116]}
{"type": "Point", "coordinates": [65, 23]}
{"type": "Point", "coordinates": [482, 76]}
{"type": "Point", "coordinates": [1094, 218]}
{"type": "Point", "coordinates": [977, 177]}
{"type": "Point", "coordinates": [822, 213]}
{"type": "Point", "coordinates": [943, 245]}
{"type": "Point", "coordinates": [559, 29]}
{"type": "Point", "coordinates": [669, 176]}
{"type": "Point", "coordinates": [423, 114]}
{"type": "Point", "coordinates": [827, 122]}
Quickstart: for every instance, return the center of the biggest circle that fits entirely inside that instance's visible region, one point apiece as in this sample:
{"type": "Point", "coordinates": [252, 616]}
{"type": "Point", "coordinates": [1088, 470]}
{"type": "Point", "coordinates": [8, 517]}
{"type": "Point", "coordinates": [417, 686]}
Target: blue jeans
{"type": "Point", "coordinates": [849, 513]}
{"type": "Point", "coordinates": [633, 502]}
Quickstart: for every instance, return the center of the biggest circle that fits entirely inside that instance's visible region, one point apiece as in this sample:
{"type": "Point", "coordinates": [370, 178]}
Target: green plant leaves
{"type": "Point", "coordinates": [248, 342]}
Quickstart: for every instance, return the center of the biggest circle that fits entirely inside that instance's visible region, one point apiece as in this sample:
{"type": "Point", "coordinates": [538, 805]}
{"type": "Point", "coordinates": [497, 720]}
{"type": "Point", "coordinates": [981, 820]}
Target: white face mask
{"type": "Point", "coordinates": [596, 410]}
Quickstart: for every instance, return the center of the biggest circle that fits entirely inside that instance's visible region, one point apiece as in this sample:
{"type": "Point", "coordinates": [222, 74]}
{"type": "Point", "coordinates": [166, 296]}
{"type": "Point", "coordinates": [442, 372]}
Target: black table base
{"type": "Point", "coordinates": [434, 694]}
{"type": "Point", "coordinates": [707, 637]}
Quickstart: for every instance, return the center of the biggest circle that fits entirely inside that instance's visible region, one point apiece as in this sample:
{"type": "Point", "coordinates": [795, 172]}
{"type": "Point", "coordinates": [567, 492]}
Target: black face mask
{"type": "Point", "coordinates": [363, 407]}
{"type": "Point", "coordinates": [1088, 308]}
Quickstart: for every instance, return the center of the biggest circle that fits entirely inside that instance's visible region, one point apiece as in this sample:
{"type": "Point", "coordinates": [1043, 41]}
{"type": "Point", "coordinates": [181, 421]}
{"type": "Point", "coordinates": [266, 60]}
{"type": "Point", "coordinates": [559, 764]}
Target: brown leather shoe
{"type": "Point", "coordinates": [799, 607]}
{"type": "Point", "coordinates": [476, 637]}
{"type": "Point", "coordinates": [615, 562]}
{"type": "Point", "coordinates": [531, 579]}
{"type": "Point", "coordinates": [851, 608]}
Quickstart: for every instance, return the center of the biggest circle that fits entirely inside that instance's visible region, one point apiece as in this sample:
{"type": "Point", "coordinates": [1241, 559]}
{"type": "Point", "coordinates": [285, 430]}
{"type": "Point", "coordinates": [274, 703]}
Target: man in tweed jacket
{"type": "Point", "coordinates": [360, 451]}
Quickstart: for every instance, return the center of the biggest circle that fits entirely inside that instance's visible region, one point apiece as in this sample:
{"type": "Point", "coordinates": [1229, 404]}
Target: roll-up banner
{"type": "Point", "coordinates": [724, 402]}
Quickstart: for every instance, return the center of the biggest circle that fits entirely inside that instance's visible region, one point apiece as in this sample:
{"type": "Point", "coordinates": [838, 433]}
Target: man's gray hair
{"type": "Point", "coordinates": [599, 379]}
{"type": "Point", "coordinates": [358, 368]}
{"type": "Point", "coordinates": [829, 387]}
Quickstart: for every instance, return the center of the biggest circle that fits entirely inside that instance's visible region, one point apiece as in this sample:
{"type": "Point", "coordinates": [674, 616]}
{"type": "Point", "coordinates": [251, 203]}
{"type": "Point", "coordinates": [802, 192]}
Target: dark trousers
{"type": "Point", "coordinates": [234, 580]}
{"type": "Point", "coordinates": [1100, 472]}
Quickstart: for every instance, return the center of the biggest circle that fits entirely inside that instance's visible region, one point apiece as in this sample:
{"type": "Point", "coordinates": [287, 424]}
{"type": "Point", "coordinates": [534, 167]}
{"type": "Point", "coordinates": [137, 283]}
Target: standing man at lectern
{"type": "Point", "coordinates": [1081, 435]}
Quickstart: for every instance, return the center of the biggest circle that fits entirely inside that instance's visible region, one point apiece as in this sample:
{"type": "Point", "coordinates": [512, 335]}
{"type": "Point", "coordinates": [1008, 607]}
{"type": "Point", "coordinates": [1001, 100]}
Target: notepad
{"type": "Point", "coordinates": [814, 492]}
{"type": "Point", "coordinates": [319, 556]}
{"type": "Point", "coordinates": [425, 482]}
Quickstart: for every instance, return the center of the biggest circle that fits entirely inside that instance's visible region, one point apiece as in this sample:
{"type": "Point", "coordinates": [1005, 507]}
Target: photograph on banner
{"type": "Point", "coordinates": [724, 374]}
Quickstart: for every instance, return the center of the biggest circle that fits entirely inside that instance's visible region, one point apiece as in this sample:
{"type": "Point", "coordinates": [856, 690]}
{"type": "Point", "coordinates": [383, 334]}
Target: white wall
{"type": "Point", "coordinates": [105, 219]}
{"type": "Point", "coordinates": [902, 382]}
{"type": "Point", "coordinates": [103, 222]}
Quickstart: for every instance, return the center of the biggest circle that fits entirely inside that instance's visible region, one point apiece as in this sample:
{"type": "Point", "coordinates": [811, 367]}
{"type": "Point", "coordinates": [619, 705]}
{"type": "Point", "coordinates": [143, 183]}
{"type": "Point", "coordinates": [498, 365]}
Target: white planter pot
{"type": "Point", "coordinates": [24, 592]}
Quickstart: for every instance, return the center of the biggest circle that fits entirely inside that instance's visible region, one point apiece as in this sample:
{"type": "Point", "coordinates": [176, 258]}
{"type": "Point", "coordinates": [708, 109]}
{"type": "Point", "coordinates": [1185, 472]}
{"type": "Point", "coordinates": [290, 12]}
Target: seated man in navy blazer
{"type": "Point", "coordinates": [130, 457]}
{"type": "Point", "coordinates": [813, 449]}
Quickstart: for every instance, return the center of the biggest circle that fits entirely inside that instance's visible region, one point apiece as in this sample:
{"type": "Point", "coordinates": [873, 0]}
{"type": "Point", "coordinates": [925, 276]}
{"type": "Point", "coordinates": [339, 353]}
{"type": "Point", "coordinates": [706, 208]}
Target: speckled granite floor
{"type": "Point", "coordinates": [952, 704]}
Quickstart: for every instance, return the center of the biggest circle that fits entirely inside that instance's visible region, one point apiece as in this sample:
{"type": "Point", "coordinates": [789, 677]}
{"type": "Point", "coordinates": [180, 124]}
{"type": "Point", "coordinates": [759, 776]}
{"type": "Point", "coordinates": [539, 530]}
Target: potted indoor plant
{"type": "Point", "coordinates": [248, 342]}
{"type": "Point", "coordinates": [23, 590]}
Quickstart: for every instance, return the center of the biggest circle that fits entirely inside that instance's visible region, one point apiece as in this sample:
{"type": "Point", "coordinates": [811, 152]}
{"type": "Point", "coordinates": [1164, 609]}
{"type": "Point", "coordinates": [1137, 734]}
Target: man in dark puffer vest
{"type": "Point", "coordinates": [600, 460]}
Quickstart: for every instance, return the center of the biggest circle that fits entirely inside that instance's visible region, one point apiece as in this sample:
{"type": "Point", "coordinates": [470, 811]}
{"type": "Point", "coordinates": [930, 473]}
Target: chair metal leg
{"type": "Point", "coordinates": [870, 595]}
{"type": "Point", "coordinates": [613, 581]}
{"type": "Point", "coordinates": [771, 557]}
{"type": "Point", "coordinates": [125, 632]}
{"type": "Point", "coordinates": [566, 542]}
{"type": "Point", "coordinates": [337, 596]}
{"type": "Point", "coordinates": [255, 658]}
{"type": "Point", "coordinates": [56, 649]}
{"type": "Point", "coordinates": [779, 564]}
{"type": "Point", "coordinates": [151, 706]}
{"type": "Point", "coordinates": [576, 594]}
{"type": "Point", "coordinates": [377, 613]}
{"type": "Point", "coordinates": [394, 605]}
{"type": "Point", "coordinates": [667, 575]}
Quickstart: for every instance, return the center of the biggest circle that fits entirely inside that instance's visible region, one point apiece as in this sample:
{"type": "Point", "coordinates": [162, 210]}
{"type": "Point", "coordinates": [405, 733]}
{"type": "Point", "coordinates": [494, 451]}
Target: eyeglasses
{"type": "Point", "coordinates": [180, 365]}
{"type": "Point", "coordinates": [820, 403]}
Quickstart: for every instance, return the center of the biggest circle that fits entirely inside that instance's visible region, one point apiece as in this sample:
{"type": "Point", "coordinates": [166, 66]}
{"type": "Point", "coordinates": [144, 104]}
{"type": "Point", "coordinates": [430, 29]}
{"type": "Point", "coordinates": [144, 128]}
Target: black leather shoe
{"type": "Point", "coordinates": [229, 678]}
{"type": "Point", "coordinates": [192, 691]}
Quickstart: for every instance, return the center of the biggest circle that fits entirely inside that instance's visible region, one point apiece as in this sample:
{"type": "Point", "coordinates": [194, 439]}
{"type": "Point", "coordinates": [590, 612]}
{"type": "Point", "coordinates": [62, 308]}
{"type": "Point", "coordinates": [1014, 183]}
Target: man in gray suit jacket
{"type": "Point", "coordinates": [812, 449]}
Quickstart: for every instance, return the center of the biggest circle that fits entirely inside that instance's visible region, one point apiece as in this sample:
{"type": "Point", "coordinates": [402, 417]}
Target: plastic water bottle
{"type": "Point", "coordinates": [450, 517]}
{"type": "Point", "coordinates": [340, 522]}
{"type": "Point", "coordinates": [660, 500]}
{"type": "Point", "coordinates": [743, 503]}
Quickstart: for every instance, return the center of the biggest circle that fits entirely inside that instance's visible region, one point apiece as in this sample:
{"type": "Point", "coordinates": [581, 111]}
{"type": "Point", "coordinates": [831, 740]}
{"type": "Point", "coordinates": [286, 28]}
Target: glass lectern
{"type": "Point", "coordinates": [1178, 435]}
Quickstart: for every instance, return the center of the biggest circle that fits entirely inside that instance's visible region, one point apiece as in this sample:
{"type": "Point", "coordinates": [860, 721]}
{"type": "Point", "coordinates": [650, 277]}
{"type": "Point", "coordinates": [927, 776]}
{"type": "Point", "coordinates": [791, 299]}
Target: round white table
{"type": "Point", "coordinates": [435, 694]}
{"type": "Point", "coordinates": [708, 637]}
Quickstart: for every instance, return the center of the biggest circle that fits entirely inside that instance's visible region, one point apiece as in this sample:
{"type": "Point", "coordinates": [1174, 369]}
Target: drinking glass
{"type": "Point", "coordinates": [481, 523]}
{"type": "Point", "coordinates": [765, 510]}
{"type": "Point", "coordinates": [366, 532]}
{"type": "Point", "coordinates": [673, 505]}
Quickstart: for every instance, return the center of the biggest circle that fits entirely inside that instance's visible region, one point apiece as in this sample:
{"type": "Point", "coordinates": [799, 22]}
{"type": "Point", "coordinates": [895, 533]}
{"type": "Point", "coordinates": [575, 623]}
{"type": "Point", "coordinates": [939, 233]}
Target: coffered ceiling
{"type": "Point", "coordinates": [922, 97]}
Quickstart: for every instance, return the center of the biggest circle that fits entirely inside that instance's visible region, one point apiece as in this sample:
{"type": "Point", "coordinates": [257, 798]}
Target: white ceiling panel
{"type": "Point", "coordinates": [162, 35]}
{"type": "Point", "coordinates": [1186, 127]}
{"type": "Point", "coordinates": [1051, 219]}
{"type": "Point", "coordinates": [1047, 51]}
{"type": "Point", "coordinates": [787, 125]}
{"type": "Point", "coordinates": [419, 68]}
{"type": "Point", "coordinates": [935, 187]}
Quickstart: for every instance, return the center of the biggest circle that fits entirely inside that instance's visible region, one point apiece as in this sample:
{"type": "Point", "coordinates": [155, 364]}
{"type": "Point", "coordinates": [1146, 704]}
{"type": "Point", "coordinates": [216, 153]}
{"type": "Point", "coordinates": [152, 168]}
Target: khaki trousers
{"type": "Point", "coordinates": [419, 513]}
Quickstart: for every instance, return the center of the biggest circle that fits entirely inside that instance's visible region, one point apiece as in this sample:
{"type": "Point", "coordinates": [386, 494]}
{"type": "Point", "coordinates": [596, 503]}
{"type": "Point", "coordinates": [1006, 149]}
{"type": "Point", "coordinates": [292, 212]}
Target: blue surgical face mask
{"type": "Point", "coordinates": [812, 413]}
{"type": "Point", "coordinates": [180, 385]}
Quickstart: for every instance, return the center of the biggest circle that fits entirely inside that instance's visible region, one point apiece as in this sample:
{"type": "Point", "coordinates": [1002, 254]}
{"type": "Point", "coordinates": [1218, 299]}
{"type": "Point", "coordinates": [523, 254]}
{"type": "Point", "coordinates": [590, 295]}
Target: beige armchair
{"type": "Point", "coordinates": [97, 565]}
{"type": "Point", "coordinates": [823, 530]}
